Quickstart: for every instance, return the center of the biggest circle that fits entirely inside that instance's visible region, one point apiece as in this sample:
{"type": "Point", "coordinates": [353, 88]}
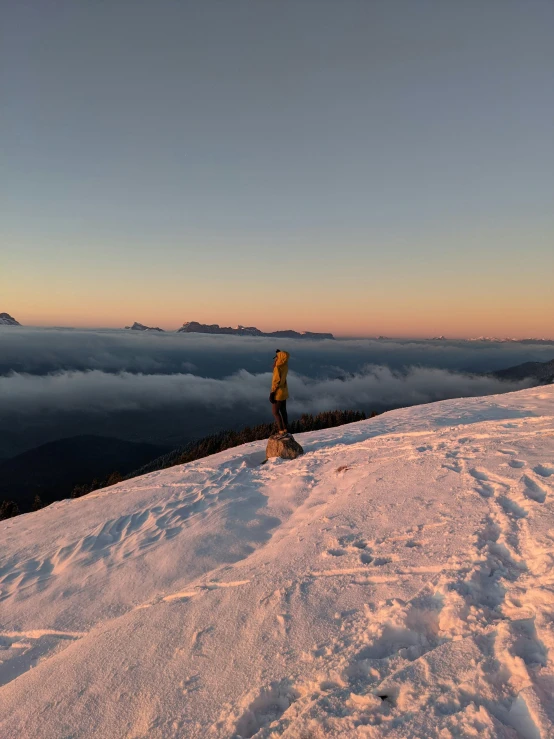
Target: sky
{"type": "Point", "coordinates": [358, 167]}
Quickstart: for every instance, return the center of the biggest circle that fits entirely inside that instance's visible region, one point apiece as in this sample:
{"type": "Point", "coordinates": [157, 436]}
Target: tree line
{"type": "Point", "coordinates": [205, 447]}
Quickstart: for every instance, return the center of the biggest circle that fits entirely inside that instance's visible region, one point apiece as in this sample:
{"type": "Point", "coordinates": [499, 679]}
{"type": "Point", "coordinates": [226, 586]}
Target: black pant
{"type": "Point", "coordinates": [279, 409]}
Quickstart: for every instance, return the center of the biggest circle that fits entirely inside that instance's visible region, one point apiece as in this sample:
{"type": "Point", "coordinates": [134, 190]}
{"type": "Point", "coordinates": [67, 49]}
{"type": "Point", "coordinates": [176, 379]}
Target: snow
{"type": "Point", "coordinates": [395, 581]}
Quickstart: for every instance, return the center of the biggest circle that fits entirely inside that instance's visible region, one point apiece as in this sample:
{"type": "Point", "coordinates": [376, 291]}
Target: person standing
{"type": "Point", "coordinates": [279, 391]}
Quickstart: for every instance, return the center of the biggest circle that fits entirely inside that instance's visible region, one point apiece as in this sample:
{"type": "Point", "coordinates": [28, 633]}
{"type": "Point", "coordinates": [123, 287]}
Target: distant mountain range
{"type": "Point", "coordinates": [7, 320]}
{"type": "Point", "coordinates": [491, 340]}
{"type": "Point", "coordinates": [193, 327]}
{"type": "Point", "coordinates": [495, 340]}
{"type": "Point", "coordinates": [141, 327]}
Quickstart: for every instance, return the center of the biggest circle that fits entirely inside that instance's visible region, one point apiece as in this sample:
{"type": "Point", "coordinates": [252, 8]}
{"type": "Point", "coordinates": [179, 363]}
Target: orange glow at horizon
{"type": "Point", "coordinates": [400, 321]}
{"type": "Point", "coordinates": [465, 291]}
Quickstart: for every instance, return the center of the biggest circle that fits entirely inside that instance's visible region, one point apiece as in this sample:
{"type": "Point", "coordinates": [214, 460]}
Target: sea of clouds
{"type": "Point", "coordinates": [96, 391]}
{"type": "Point", "coordinates": [56, 382]}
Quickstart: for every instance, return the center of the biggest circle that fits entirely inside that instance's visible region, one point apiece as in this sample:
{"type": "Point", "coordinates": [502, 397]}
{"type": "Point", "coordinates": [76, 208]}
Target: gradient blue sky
{"type": "Point", "coordinates": [359, 167]}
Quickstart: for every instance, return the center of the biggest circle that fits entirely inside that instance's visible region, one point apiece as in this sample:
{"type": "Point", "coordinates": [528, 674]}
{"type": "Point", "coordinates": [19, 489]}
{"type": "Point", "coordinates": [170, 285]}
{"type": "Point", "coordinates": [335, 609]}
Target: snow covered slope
{"type": "Point", "coordinates": [396, 581]}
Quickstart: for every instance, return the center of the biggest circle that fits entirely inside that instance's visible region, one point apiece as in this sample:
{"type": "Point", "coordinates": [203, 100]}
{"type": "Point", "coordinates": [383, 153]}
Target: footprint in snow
{"type": "Point", "coordinates": [352, 540]}
{"type": "Point", "coordinates": [485, 490]}
{"type": "Point", "coordinates": [512, 508]}
{"type": "Point", "coordinates": [269, 705]}
{"type": "Point", "coordinates": [478, 474]}
{"type": "Point", "coordinates": [412, 543]}
{"type": "Point", "coordinates": [380, 561]}
{"type": "Point", "coordinates": [544, 470]}
{"type": "Point", "coordinates": [533, 490]}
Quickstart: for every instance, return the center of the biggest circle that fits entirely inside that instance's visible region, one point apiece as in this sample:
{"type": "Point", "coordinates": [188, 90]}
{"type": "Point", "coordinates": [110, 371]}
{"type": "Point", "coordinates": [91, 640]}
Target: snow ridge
{"type": "Point", "coordinates": [395, 581]}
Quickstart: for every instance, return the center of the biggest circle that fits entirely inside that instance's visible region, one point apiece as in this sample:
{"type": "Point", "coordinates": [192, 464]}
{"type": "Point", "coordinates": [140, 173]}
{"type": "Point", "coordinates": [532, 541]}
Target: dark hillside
{"type": "Point", "coordinates": [78, 465]}
{"type": "Point", "coordinates": [52, 470]}
{"type": "Point", "coordinates": [541, 371]}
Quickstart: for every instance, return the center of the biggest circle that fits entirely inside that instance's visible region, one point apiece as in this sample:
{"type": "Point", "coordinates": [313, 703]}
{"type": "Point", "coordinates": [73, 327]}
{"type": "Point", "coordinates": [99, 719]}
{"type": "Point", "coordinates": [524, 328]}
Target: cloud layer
{"type": "Point", "coordinates": [95, 391]}
{"type": "Point", "coordinates": [44, 351]}
{"type": "Point", "coordinates": [170, 388]}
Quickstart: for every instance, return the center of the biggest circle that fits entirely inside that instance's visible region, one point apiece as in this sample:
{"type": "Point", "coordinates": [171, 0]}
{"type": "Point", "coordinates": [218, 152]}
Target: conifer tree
{"type": "Point", "coordinates": [8, 509]}
{"type": "Point", "coordinates": [37, 503]}
{"type": "Point", "coordinates": [113, 479]}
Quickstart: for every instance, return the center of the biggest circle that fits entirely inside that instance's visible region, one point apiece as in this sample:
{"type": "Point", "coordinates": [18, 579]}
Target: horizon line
{"type": "Point", "coordinates": [374, 337]}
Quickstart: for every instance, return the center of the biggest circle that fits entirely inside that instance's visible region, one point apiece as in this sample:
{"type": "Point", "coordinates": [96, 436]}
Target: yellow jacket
{"type": "Point", "coordinates": [279, 380]}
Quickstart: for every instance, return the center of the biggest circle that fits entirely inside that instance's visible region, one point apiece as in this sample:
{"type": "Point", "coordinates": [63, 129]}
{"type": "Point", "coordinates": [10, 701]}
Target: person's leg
{"type": "Point", "coordinates": [275, 408]}
{"type": "Point", "coordinates": [284, 416]}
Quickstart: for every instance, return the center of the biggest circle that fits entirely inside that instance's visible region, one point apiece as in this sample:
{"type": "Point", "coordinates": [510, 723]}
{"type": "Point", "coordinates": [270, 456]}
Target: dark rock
{"type": "Point", "coordinates": [286, 448]}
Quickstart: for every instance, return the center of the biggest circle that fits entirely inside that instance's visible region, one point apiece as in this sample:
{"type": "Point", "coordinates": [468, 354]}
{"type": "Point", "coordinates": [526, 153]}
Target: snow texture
{"type": "Point", "coordinates": [396, 581]}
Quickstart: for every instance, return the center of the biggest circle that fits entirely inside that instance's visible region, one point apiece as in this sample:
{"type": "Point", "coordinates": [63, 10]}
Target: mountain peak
{"type": "Point", "coordinates": [7, 320]}
{"type": "Point", "coordinates": [141, 327]}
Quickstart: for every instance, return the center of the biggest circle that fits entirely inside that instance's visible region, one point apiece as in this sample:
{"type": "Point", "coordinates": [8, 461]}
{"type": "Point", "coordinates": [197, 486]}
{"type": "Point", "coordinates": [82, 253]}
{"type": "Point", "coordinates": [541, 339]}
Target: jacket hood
{"type": "Point", "coordinates": [282, 358]}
